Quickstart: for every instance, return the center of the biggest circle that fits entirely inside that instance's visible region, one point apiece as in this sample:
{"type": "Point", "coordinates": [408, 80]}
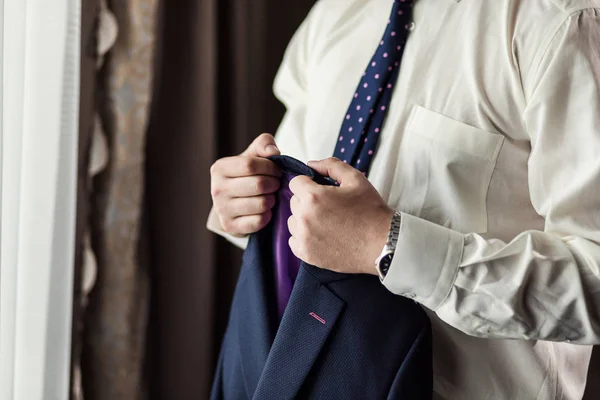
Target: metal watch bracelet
{"type": "Point", "coordinates": [383, 262]}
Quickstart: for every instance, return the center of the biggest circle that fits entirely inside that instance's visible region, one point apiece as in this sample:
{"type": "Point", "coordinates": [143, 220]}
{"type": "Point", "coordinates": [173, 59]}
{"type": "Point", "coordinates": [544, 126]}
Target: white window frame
{"type": "Point", "coordinates": [39, 114]}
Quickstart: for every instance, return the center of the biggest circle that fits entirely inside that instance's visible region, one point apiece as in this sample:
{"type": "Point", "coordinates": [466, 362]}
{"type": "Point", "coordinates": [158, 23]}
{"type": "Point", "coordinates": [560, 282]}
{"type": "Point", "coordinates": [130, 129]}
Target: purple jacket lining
{"type": "Point", "coordinates": [287, 264]}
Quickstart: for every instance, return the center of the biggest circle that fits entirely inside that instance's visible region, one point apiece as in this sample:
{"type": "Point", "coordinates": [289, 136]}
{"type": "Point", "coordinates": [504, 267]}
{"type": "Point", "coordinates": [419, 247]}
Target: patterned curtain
{"type": "Point", "coordinates": [114, 283]}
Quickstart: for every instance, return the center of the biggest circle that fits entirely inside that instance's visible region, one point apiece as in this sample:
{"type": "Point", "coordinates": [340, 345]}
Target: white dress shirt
{"type": "Point", "coordinates": [491, 151]}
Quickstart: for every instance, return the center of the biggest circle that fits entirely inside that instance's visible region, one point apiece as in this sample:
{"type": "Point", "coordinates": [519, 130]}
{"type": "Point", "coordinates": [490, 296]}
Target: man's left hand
{"type": "Point", "coordinates": [343, 228]}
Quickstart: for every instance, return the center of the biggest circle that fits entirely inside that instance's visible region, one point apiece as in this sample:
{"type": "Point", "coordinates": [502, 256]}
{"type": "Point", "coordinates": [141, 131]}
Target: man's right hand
{"type": "Point", "coordinates": [243, 187]}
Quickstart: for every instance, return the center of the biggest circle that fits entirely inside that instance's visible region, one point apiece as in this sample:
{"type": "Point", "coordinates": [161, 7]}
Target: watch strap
{"type": "Point", "coordinates": [394, 230]}
{"type": "Point", "coordinates": [383, 262]}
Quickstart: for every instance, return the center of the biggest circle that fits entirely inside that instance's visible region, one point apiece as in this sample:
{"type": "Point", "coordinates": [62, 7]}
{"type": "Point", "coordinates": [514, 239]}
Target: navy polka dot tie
{"type": "Point", "coordinates": [363, 123]}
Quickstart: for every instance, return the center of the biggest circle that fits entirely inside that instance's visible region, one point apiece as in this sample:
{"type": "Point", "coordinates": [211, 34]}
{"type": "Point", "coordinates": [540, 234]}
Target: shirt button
{"type": "Point", "coordinates": [412, 26]}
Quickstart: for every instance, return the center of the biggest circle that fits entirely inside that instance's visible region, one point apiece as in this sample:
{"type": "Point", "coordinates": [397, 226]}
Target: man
{"type": "Point", "coordinates": [490, 155]}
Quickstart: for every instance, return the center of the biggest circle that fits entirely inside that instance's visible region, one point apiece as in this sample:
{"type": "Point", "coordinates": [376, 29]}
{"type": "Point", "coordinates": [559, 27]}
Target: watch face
{"type": "Point", "coordinates": [385, 263]}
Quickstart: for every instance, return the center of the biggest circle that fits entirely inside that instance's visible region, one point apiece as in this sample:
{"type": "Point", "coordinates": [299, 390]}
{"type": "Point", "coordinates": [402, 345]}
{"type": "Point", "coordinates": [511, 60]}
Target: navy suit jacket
{"type": "Point", "coordinates": [341, 336]}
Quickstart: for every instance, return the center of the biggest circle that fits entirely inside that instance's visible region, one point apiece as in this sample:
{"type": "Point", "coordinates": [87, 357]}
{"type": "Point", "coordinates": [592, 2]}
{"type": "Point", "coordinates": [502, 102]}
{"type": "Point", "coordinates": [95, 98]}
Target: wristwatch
{"type": "Point", "coordinates": [384, 261]}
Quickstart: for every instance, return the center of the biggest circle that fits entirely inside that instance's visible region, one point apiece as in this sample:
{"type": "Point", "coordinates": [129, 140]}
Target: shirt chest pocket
{"type": "Point", "coordinates": [445, 169]}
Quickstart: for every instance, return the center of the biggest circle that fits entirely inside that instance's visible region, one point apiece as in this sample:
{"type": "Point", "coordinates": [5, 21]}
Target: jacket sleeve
{"type": "Point", "coordinates": [543, 284]}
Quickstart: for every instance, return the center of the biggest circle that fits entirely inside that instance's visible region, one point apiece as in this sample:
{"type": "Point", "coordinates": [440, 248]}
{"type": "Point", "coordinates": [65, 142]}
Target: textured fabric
{"type": "Point", "coordinates": [341, 336]}
{"type": "Point", "coordinates": [362, 126]}
{"type": "Point", "coordinates": [490, 149]}
{"type": "Point", "coordinates": [117, 314]}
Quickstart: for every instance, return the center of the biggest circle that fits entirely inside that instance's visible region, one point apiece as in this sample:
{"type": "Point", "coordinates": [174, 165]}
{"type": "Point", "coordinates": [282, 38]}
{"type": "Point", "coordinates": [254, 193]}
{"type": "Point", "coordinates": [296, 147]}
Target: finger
{"type": "Point", "coordinates": [262, 146]}
{"type": "Point", "coordinates": [294, 244]}
{"type": "Point", "coordinates": [238, 166]}
{"type": "Point", "coordinates": [294, 205]}
{"type": "Point", "coordinates": [217, 185]}
{"type": "Point", "coordinates": [243, 206]}
{"type": "Point", "coordinates": [250, 186]}
{"type": "Point", "coordinates": [301, 185]}
{"type": "Point", "coordinates": [291, 224]}
{"type": "Point", "coordinates": [247, 224]}
{"type": "Point", "coordinates": [337, 170]}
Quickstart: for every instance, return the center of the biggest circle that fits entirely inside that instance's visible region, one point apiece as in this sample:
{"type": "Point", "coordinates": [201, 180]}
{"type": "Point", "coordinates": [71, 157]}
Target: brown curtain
{"type": "Point", "coordinates": [112, 286]}
{"type": "Point", "coordinates": [593, 381]}
{"type": "Point", "coordinates": [216, 60]}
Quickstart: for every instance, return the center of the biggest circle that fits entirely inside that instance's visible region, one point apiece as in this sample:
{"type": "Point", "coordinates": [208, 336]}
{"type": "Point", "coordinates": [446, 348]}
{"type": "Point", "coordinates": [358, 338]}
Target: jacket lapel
{"type": "Point", "coordinates": [309, 318]}
{"type": "Point", "coordinates": [255, 314]}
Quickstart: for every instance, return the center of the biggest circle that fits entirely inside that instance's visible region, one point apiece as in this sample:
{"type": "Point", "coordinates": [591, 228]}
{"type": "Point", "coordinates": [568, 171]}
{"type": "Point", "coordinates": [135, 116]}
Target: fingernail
{"type": "Point", "coordinates": [272, 148]}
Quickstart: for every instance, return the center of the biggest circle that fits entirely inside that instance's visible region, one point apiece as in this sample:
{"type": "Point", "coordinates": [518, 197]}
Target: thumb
{"type": "Point", "coordinates": [262, 146]}
{"type": "Point", "coordinates": [337, 170]}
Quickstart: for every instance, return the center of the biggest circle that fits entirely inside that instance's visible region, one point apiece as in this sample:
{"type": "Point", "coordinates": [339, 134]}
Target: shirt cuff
{"type": "Point", "coordinates": [426, 261]}
{"type": "Point", "coordinates": [214, 225]}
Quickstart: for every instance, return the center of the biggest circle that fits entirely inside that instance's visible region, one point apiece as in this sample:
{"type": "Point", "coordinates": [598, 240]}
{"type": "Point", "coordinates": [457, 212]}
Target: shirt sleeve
{"type": "Point", "coordinates": [290, 87]}
{"type": "Point", "coordinates": [542, 285]}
